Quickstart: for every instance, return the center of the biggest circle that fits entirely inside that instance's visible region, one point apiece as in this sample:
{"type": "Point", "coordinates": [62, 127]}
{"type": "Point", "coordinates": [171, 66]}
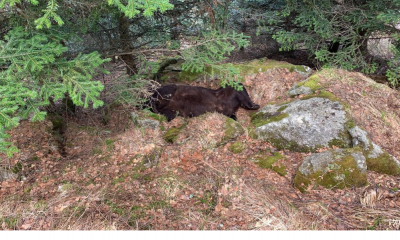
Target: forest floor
{"type": "Point", "coordinates": [99, 171]}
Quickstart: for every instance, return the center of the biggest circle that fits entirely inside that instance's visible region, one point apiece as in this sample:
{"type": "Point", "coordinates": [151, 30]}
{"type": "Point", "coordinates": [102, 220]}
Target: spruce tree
{"type": "Point", "coordinates": [38, 59]}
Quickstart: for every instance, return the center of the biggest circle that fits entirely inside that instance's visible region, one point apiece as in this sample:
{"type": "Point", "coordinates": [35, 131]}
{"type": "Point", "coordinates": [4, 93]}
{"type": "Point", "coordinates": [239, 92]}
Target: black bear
{"type": "Point", "coordinates": [190, 101]}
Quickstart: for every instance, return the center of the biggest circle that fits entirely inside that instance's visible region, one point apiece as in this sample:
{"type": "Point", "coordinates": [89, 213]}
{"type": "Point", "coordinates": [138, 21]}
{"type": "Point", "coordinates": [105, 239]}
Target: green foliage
{"type": "Point", "coordinates": [337, 32]}
{"type": "Point", "coordinates": [33, 66]}
{"type": "Point", "coordinates": [34, 71]}
{"type": "Point", "coordinates": [393, 73]}
{"type": "Point", "coordinates": [53, 12]}
{"type": "Point", "coordinates": [213, 47]}
{"type": "Point", "coordinates": [12, 3]}
{"type": "Point", "coordinates": [134, 90]}
{"type": "Point", "coordinates": [133, 7]}
{"type": "Point", "coordinates": [49, 13]}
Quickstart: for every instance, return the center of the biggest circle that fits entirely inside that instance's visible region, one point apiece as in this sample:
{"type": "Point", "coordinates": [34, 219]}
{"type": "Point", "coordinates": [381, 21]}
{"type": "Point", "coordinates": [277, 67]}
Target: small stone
{"type": "Point", "coordinates": [302, 90]}
{"type": "Point", "coordinates": [6, 174]}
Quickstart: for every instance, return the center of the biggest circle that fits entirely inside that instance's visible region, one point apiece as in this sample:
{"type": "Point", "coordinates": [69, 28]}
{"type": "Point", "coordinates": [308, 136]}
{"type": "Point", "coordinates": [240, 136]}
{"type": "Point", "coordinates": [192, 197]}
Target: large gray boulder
{"type": "Point", "coordinates": [336, 168]}
{"type": "Point", "coordinates": [303, 125]}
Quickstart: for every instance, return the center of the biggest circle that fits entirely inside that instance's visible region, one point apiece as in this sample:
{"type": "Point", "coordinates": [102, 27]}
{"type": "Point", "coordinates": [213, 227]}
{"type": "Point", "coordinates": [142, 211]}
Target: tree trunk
{"type": "Point", "coordinates": [125, 43]}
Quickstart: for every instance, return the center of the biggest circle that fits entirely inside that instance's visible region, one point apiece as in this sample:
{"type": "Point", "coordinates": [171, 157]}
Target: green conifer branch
{"type": "Point", "coordinates": [211, 48]}
{"type": "Point", "coordinates": [49, 13]}
{"type": "Point", "coordinates": [34, 72]}
{"type": "Point", "coordinates": [134, 7]}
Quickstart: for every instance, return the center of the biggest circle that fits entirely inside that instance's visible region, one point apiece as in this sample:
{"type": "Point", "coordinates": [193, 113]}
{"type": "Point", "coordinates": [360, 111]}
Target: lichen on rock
{"type": "Point", "coordinates": [303, 125]}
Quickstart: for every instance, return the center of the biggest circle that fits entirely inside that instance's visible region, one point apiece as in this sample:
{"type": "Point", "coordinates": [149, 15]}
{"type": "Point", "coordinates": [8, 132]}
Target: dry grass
{"type": "Point", "coordinates": [373, 219]}
{"type": "Point", "coordinates": [272, 212]}
{"type": "Point", "coordinates": [199, 134]}
{"type": "Point", "coordinates": [139, 141]}
{"type": "Point", "coordinates": [63, 211]}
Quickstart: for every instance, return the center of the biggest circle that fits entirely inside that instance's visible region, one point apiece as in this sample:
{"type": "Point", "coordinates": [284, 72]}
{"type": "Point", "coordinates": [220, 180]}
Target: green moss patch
{"type": "Point", "coordinates": [232, 130]}
{"type": "Point", "coordinates": [263, 65]}
{"type": "Point", "coordinates": [171, 134]}
{"type": "Point", "coordinates": [292, 68]}
{"type": "Point", "coordinates": [189, 76]}
{"type": "Point", "coordinates": [282, 144]}
{"type": "Point", "coordinates": [323, 94]}
{"type": "Point", "coordinates": [350, 124]}
{"type": "Point", "coordinates": [259, 119]}
{"type": "Point", "coordinates": [383, 164]}
{"type": "Point", "coordinates": [312, 83]}
{"type": "Point", "coordinates": [342, 141]}
{"type": "Point", "coordinates": [155, 116]}
{"type": "Point", "coordinates": [237, 147]}
{"type": "Point", "coordinates": [340, 174]}
{"type": "Point", "coordinates": [265, 160]}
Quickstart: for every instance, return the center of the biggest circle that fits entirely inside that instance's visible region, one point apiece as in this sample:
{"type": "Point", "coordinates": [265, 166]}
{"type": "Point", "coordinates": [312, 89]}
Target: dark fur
{"type": "Point", "coordinates": [189, 101]}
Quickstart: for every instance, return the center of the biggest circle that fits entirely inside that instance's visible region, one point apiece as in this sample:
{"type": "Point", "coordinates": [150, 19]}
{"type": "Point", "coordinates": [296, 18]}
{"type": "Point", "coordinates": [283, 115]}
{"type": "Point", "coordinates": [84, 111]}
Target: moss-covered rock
{"type": "Point", "coordinates": [323, 94]}
{"type": "Point", "coordinates": [378, 160]}
{"type": "Point", "coordinates": [263, 65]}
{"type": "Point", "coordinates": [303, 125]}
{"type": "Point", "coordinates": [265, 160]}
{"type": "Point", "coordinates": [308, 86]}
{"type": "Point", "coordinates": [232, 130]}
{"type": "Point", "coordinates": [340, 168]}
{"type": "Point", "coordinates": [259, 119]}
{"type": "Point", "coordinates": [384, 163]}
{"type": "Point", "coordinates": [237, 147]}
{"type": "Point", "coordinates": [147, 119]}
